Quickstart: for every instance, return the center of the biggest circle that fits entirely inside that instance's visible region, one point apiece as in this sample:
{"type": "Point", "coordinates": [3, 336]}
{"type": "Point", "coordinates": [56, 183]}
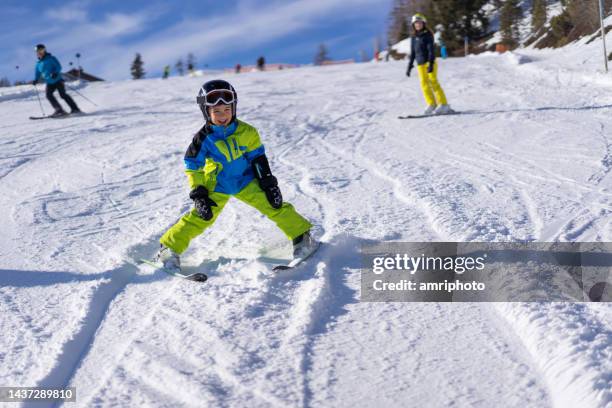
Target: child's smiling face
{"type": "Point", "coordinates": [220, 115]}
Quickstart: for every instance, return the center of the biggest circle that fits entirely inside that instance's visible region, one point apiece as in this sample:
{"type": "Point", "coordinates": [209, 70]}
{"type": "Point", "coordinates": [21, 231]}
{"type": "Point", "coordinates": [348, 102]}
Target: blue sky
{"type": "Point", "coordinates": [219, 33]}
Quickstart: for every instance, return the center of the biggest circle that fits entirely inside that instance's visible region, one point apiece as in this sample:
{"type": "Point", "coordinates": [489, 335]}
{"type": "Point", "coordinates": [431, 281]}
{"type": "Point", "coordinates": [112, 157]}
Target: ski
{"type": "Point", "coordinates": [58, 117]}
{"type": "Point", "coordinates": [296, 261]}
{"type": "Point", "coordinates": [197, 276]}
{"type": "Point", "coordinates": [429, 116]}
{"type": "Point", "coordinates": [48, 117]}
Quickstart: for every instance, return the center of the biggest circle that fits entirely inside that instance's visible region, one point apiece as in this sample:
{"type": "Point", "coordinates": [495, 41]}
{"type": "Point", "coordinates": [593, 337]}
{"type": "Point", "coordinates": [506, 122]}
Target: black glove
{"type": "Point", "coordinates": [267, 182]}
{"type": "Point", "coordinates": [34, 82]}
{"type": "Point", "coordinates": [202, 203]}
{"type": "Point", "coordinates": [54, 75]}
{"type": "Point", "coordinates": [409, 69]}
{"type": "Point", "coordinates": [270, 186]}
{"type": "Point", "coordinates": [430, 68]}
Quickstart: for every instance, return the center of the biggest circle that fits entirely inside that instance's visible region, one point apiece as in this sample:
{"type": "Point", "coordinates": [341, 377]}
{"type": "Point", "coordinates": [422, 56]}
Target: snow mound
{"type": "Point", "coordinates": [403, 47]}
{"type": "Point", "coordinates": [516, 58]}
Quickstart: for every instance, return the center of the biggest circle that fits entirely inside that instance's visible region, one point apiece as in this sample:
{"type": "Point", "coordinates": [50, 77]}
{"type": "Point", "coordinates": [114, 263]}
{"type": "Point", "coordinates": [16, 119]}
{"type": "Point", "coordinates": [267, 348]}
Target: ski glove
{"type": "Point", "coordinates": [203, 204]}
{"type": "Point", "coordinates": [34, 82]}
{"type": "Point", "coordinates": [409, 69]}
{"type": "Point", "coordinates": [54, 75]}
{"type": "Point", "coordinates": [270, 186]}
{"type": "Point", "coordinates": [430, 68]}
{"type": "Point", "coordinates": [267, 182]}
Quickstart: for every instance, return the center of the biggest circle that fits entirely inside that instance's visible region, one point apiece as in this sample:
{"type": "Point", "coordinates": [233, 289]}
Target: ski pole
{"type": "Point", "coordinates": [81, 95]}
{"type": "Point", "coordinates": [39, 102]}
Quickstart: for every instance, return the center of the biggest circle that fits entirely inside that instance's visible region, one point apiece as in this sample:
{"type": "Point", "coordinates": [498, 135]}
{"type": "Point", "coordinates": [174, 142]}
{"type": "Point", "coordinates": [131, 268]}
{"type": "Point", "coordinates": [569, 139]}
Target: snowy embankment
{"type": "Point", "coordinates": [530, 160]}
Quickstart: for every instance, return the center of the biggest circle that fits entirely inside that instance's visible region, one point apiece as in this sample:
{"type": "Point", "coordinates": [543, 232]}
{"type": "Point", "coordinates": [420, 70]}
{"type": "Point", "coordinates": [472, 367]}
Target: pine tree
{"type": "Point", "coordinates": [180, 68]}
{"type": "Point", "coordinates": [538, 15]}
{"type": "Point", "coordinates": [460, 19]}
{"type": "Point", "coordinates": [4, 82]}
{"type": "Point", "coordinates": [404, 31]}
{"type": "Point", "coordinates": [561, 26]}
{"type": "Point", "coordinates": [322, 55]}
{"type": "Point", "coordinates": [510, 15]}
{"type": "Point", "coordinates": [190, 62]}
{"type": "Point", "coordinates": [137, 69]}
{"type": "Point", "coordinates": [261, 63]}
{"type": "Point", "coordinates": [584, 16]}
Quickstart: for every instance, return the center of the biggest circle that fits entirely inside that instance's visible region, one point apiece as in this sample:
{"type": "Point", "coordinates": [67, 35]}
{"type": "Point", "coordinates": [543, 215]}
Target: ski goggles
{"type": "Point", "coordinates": [216, 97]}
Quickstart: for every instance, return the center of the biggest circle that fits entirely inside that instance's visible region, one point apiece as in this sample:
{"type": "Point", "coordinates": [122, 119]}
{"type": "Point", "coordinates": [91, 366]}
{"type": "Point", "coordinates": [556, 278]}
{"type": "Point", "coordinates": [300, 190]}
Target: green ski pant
{"type": "Point", "coordinates": [178, 237]}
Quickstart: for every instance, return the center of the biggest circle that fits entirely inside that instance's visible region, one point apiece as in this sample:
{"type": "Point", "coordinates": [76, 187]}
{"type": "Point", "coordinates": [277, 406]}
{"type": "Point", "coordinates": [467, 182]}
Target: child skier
{"type": "Point", "coordinates": [422, 49]}
{"type": "Point", "coordinates": [226, 159]}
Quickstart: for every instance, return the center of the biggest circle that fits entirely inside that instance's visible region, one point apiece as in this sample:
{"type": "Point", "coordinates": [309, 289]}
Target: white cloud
{"type": "Point", "coordinates": [75, 11]}
{"type": "Point", "coordinates": [66, 14]}
{"type": "Point", "coordinates": [116, 25]}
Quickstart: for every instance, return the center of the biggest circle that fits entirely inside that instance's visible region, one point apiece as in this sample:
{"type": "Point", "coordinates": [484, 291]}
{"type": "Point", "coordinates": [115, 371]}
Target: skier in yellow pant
{"type": "Point", "coordinates": [227, 159]}
{"type": "Point", "coordinates": [422, 50]}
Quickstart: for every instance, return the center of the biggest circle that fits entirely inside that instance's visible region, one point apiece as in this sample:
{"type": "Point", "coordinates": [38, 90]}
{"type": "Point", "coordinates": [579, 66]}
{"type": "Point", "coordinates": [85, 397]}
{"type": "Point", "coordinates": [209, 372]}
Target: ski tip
{"type": "Point", "coordinates": [197, 277]}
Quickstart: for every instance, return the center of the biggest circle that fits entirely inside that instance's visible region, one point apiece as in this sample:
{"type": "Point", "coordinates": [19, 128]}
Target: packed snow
{"type": "Point", "coordinates": [82, 198]}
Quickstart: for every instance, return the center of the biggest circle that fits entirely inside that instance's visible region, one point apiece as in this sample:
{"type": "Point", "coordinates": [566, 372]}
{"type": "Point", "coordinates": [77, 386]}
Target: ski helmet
{"type": "Point", "coordinates": [217, 92]}
{"type": "Point", "coordinates": [419, 17]}
{"type": "Point", "coordinates": [40, 47]}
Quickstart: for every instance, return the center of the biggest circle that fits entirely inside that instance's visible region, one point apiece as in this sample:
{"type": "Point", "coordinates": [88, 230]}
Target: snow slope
{"type": "Point", "coordinates": [530, 160]}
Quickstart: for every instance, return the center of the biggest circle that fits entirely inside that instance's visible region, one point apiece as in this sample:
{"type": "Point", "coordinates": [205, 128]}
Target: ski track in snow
{"type": "Point", "coordinates": [606, 161]}
{"type": "Point", "coordinates": [86, 197]}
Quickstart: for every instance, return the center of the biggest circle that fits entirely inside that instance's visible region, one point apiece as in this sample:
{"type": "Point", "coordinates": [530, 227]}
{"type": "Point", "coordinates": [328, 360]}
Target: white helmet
{"type": "Point", "coordinates": [419, 17]}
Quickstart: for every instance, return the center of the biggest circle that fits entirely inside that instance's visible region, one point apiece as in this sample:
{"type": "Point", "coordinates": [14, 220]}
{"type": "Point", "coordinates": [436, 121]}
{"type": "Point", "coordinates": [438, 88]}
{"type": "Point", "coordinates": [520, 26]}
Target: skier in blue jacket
{"type": "Point", "coordinates": [49, 70]}
{"type": "Point", "coordinates": [227, 159]}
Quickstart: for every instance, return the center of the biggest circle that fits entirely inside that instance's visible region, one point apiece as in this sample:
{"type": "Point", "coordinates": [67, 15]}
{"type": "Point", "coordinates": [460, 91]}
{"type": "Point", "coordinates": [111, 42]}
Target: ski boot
{"type": "Point", "coordinates": [430, 110]}
{"type": "Point", "coordinates": [444, 110]}
{"type": "Point", "coordinates": [170, 259]}
{"type": "Point", "coordinates": [58, 113]}
{"type": "Point", "coordinates": [304, 245]}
